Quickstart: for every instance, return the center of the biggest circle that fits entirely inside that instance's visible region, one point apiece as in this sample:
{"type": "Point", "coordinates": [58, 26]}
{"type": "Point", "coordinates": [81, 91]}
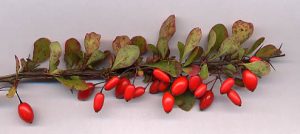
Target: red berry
{"type": "Point", "coordinates": [139, 91]}
{"type": "Point", "coordinates": [120, 88]}
{"type": "Point", "coordinates": [154, 87]}
{"type": "Point", "coordinates": [200, 91]}
{"type": "Point", "coordinates": [98, 101]}
{"type": "Point", "coordinates": [250, 80]}
{"type": "Point", "coordinates": [85, 94]}
{"type": "Point", "coordinates": [160, 75]}
{"type": "Point", "coordinates": [227, 85]}
{"type": "Point", "coordinates": [162, 86]}
{"type": "Point", "coordinates": [168, 102]}
{"type": "Point", "coordinates": [234, 97]}
{"type": "Point", "coordinates": [25, 112]}
{"type": "Point", "coordinates": [206, 100]}
{"type": "Point", "coordinates": [179, 86]}
{"type": "Point", "coordinates": [194, 82]}
{"type": "Point", "coordinates": [129, 92]}
{"type": "Point", "coordinates": [111, 83]}
{"type": "Point", "coordinates": [254, 58]}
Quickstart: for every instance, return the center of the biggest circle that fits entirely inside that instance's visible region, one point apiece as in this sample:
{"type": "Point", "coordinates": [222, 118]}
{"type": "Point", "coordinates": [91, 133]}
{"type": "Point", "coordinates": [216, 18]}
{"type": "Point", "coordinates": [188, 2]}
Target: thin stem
{"type": "Point", "coordinates": [19, 97]}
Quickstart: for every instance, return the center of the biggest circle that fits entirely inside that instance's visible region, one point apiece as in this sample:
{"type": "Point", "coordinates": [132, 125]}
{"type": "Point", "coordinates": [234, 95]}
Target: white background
{"type": "Point", "coordinates": [272, 108]}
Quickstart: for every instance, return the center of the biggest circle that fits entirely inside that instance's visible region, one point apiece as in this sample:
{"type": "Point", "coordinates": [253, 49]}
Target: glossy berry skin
{"type": "Point", "coordinates": [160, 75]}
{"type": "Point", "coordinates": [234, 97]}
{"type": "Point", "coordinates": [162, 86]}
{"type": "Point", "coordinates": [194, 82]}
{"type": "Point", "coordinates": [129, 92]}
{"type": "Point", "coordinates": [111, 83]}
{"type": "Point", "coordinates": [206, 100]}
{"type": "Point", "coordinates": [200, 91]}
{"type": "Point", "coordinates": [25, 112]}
{"type": "Point", "coordinates": [139, 91]}
{"type": "Point", "coordinates": [98, 102]}
{"type": "Point", "coordinates": [254, 58]}
{"type": "Point", "coordinates": [168, 102]}
{"type": "Point", "coordinates": [85, 94]}
{"type": "Point", "coordinates": [179, 86]}
{"type": "Point", "coordinates": [120, 88]}
{"type": "Point", "coordinates": [227, 85]}
{"type": "Point", "coordinates": [154, 87]}
{"type": "Point", "coordinates": [250, 80]}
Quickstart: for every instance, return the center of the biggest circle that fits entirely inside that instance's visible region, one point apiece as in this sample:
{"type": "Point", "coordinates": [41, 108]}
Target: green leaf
{"type": "Point", "coordinates": [74, 82]}
{"type": "Point", "coordinates": [239, 82]}
{"type": "Point", "coordinates": [204, 72]}
{"type": "Point", "coordinates": [168, 28]}
{"type": "Point", "coordinates": [256, 44]}
{"type": "Point", "coordinates": [73, 53]}
{"type": "Point", "coordinates": [41, 50]}
{"type": "Point", "coordinates": [141, 42]}
{"type": "Point", "coordinates": [96, 57]}
{"type": "Point", "coordinates": [55, 52]}
{"type": "Point", "coordinates": [242, 30]}
{"type": "Point", "coordinates": [221, 34]}
{"type": "Point", "coordinates": [180, 46]}
{"type": "Point", "coordinates": [171, 67]}
{"type": "Point", "coordinates": [162, 46]}
{"type": "Point", "coordinates": [192, 41]}
{"type": "Point", "coordinates": [229, 46]}
{"type": "Point", "coordinates": [196, 53]}
{"type": "Point", "coordinates": [212, 38]}
{"type": "Point", "coordinates": [120, 42]}
{"type": "Point", "coordinates": [126, 57]}
{"type": "Point", "coordinates": [185, 101]}
{"type": "Point", "coordinates": [153, 49]}
{"type": "Point", "coordinates": [91, 42]}
{"type": "Point", "coordinates": [260, 68]}
{"type": "Point", "coordinates": [268, 51]}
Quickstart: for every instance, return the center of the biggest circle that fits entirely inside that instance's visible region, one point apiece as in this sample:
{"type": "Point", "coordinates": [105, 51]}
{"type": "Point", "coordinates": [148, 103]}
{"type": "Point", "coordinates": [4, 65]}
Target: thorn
{"type": "Point", "coordinates": [271, 65]}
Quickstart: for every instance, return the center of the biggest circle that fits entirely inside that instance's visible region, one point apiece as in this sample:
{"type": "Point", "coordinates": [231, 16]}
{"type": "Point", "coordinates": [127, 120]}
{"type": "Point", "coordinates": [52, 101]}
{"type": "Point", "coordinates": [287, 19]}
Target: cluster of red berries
{"type": "Point", "coordinates": [199, 89]}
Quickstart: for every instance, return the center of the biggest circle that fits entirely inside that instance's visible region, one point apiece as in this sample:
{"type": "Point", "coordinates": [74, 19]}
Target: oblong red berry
{"type": "Point", "coordinates": [85, 94]}
{"type": "Point", "coordinates": [111, 83]}
{"type": "Point", "coordinates": [168, 102]}
{"type": "Point", "coordinates": [139, 91]}
{"type": "Point", "coordinates": [25, 112]}
{"type": "Point", "coordinates": [160, 75]}
{"type": "Point", "coordinates": [254, 58]}
{"type": "Point", "coordinates": [129, 92]}
{"type": "Point", "coordinates": [200, 91]}
{"type": "Point", "coordinates": [154, 87]}
{"type": "Point", "coordinates": [162, 86]}
{"type": "Point", "coordinates": [194, 82]}
{"type": "Point", "coordinates": [226, 85]}
{"type": "Point", "coordinates": [250, 80]}
{"type": "Point", "coordinates": [98, 102]}
{"type": "Point", "coordinates": [120, 88]}
{"type": "Point", "coordinates": [179, 86]}
{"type": "Point", "coordinates": [234, 97]}
{"type": "Point", "coordinates": [206, 100]}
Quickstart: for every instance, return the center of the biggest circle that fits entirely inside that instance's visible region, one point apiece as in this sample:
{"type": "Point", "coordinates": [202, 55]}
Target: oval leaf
{"type": "Point", "coordinates": [204, 71]}
{"type": "Point", "coordinates": [73, 53]}
{"type": "Point", "coordinates": [168, 28]}
{"type": "Point", "coordinates": [221, 34]}
{"type": "Point", "coordinates": [55, 52]}
{"type": "Point", "coordinates": [256, 44]}
{"type": "Point", "coordinates": [185, 101]}
{"type": "Point", "coordinates": [141, 42]}
{"type": "Point", "coordinates": [192, 41]}
{"type": "Point", "coordinates": [196, 53]}
{"type": "Point", "coordinates": [41, 51]}
{"type": "Point", "coordinates": [120, 42]}
{"type": "Point", "coordinates": [242, 30]}
{"type": "Point", "coordinates": [268, 51]}
{"type": "Point", "coordinates": [74, 82]}
{"type": "Point", "coordinates": [126, 57]}
{"type": "Point", "coordinates": [260, 68]}
{"type": "Point", "coordinates": [91, 42]}
{"type": "Point", "coordinates": [96, 57]}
